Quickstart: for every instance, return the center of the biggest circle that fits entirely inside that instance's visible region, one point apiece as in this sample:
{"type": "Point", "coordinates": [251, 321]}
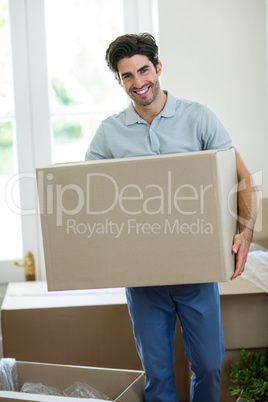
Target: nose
{"type": "Point", "coordinates": [138, 82]}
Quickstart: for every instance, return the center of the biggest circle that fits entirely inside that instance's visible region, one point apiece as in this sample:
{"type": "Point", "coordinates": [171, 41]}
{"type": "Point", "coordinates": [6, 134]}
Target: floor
{"type": "Point", "coordinates": [3, 287]}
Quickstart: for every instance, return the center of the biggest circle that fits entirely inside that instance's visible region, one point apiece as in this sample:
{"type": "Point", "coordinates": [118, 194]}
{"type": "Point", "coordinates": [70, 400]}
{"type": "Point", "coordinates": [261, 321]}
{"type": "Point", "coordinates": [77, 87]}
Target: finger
{"type": "Point", "coordinates": [239, 263]}
{"type": "Point", "coordinates": [236, 244]}
{"type": "Point", "coordinates": [238, 272]}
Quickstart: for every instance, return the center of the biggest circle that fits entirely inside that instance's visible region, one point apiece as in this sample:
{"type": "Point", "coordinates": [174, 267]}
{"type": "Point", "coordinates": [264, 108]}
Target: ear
{"type": "Point", "coordinates": [118, 80]}
{"type": "Point", "coordinates": [159, 68]}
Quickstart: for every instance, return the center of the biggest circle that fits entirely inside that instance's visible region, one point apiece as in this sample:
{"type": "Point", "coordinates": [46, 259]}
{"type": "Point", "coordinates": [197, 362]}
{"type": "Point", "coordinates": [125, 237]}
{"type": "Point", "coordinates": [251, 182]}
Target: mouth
{"type": "Point", "coordinates": [142, 92]}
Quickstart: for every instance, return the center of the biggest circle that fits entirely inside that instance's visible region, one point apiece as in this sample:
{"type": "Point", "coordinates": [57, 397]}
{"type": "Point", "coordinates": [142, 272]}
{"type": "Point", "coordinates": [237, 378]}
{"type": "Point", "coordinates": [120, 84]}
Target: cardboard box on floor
{"type": "Point", "coordinates": [153, 220]}
{"type": "Point", "coordinates": [118, 385]}
{"type": "Point", "coordinates": [244, 309]}
{"type": "Point", "coordinates": [84, 328]}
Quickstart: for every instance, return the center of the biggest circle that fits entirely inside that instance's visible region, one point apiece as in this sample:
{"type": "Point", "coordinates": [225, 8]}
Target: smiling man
{"type": "Point", "coordinates": [156, 123]}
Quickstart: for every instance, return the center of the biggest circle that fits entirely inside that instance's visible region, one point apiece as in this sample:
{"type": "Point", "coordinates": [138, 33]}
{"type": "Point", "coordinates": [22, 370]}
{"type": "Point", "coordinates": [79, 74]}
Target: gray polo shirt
{"type": "Point", "coordinates": [182, 126]}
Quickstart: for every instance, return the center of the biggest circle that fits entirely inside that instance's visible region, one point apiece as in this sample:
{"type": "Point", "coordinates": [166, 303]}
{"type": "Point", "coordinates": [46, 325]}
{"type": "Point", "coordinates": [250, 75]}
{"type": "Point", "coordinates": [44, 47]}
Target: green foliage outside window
{"type": "Point", "coordinates": [63, 96]}
{"type": "Point", "coordinates": [2, 21]}
{"type": "Point", "coordinates": [65, 131]}
{"type": "Point", "coordinates": [3, 12]}
{"type": "Point", "coordinates": [6, 148]}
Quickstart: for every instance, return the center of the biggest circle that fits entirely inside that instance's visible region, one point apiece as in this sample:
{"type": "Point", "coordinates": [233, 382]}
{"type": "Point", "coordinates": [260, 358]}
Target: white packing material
{"type": "Point", "coordinates": [256, 268]}
{"type": "Point", "coordinates": [76, 390]}
{"type": "Point", "coordinates": [8, 375]}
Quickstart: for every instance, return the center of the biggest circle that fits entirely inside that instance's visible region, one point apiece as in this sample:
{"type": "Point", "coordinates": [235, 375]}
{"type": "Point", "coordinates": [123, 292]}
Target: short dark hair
{"type": "Point", "coordinates": [129, 45]}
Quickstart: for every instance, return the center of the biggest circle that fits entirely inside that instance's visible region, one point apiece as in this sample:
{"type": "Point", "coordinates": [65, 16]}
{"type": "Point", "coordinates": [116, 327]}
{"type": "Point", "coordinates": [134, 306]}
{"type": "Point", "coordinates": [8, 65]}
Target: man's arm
{"type": "Point", "coordinates": [247, 212]}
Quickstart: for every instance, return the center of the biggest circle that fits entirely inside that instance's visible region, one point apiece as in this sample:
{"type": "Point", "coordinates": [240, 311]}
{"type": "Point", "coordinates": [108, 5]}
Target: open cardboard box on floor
{"type": "Point", "coordinates": [83, 328]}
{"type": "Point", "coordinates": [142, 221]}
{"type": "Point", "coordinates": [118, 385]}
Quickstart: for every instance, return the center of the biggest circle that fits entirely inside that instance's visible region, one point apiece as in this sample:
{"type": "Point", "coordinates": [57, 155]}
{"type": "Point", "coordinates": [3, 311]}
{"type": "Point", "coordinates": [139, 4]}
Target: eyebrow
{"type": "Point", "coordinates": [140, 69]}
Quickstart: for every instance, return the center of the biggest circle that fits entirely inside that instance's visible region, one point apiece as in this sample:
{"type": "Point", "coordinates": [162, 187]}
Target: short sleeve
{"type": "Point", "coordinates": [214, 135]}
{"type": "Point", "coordinates": [98, 147]}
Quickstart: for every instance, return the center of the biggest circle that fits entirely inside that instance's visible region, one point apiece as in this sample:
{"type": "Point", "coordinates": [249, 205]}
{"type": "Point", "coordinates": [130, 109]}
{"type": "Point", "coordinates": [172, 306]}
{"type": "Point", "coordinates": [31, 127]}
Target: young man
{"type": "Point", "coordinates": [157, 123]}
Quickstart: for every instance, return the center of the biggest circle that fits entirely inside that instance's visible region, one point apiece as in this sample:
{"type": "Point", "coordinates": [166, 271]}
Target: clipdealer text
{"type": "Point", "coordinates": [131, 199]}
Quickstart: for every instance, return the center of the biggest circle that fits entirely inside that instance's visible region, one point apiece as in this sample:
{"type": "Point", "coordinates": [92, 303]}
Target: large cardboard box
{"type": "Point", "coordinates": [118, 385]}
{"type": "Point", "coordinates": [82, 327]}
{"type": "Point", "coordinates": [153, 220]}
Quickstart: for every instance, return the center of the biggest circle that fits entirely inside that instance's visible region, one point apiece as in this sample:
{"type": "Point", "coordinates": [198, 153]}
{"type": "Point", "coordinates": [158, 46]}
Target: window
{"type": "Point", "coordinates": [55, 89]}
{"type": "Point", "coordinates": [81, 86]}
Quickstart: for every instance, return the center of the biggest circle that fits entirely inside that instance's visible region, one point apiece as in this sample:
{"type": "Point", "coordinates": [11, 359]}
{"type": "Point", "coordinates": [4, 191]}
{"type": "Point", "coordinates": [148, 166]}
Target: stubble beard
{"type": "Point", "coordinates": [154, 89]}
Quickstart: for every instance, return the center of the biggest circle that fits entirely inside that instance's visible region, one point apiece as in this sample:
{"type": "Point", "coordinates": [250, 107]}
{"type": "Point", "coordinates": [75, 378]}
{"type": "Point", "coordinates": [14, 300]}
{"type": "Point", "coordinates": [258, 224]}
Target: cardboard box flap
{"type": "Point", "coordinates": [239, 286]}
{"type": "Point", "coordinates": [67, 165]}
{"type": "Point", "coordinates": [7, 396]}
{"type": "Point", "coordinates": [35, 295]}
{"type": "Point", "coordinates": [110, 382]}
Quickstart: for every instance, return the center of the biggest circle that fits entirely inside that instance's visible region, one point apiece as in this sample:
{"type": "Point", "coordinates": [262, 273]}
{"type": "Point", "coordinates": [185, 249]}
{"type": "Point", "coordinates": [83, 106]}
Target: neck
{"type": "Point", "coordinates": [149, 112]}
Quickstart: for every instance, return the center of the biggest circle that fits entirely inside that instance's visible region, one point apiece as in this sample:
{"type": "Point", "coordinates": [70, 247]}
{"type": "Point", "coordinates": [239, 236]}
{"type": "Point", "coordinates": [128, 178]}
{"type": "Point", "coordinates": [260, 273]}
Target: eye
{"type": "Point", "coordinates": [144, 70]}
{"type": "Point", "coordinates": [126, 77]}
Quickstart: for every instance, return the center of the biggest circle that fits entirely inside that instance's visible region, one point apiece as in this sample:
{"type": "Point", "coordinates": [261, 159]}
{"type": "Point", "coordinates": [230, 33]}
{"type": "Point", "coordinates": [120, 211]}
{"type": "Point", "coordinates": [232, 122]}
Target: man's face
{"type": "Point", "coordinates": [139, 79]}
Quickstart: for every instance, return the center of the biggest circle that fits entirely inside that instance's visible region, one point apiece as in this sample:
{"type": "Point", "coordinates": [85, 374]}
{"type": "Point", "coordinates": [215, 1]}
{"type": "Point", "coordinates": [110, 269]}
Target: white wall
{"type": "Point", "coordinates": [214, 51]}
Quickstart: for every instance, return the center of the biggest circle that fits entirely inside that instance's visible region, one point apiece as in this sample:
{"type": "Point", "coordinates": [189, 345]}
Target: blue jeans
{"type": "Point", "coordinates": [153, 313]}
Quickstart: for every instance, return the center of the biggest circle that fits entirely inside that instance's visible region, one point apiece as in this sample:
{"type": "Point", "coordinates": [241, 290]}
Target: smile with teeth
{"type": "Point", "coordinates": [142, 91]}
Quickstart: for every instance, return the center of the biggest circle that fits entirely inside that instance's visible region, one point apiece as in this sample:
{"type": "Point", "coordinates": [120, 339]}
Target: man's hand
{"type": "Point", "coordinates": [247, 212]}
{"type": "Point", "coordinates": [240, 249]}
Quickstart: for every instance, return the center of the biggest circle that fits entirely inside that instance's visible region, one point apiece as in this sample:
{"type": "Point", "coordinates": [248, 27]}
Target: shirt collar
{"type": "Point", "coordinates": [131, 116]}
{"type": "Point", "coordinates": [170, 106]}
{"type": "Point", "coordinates": [169, 110]}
